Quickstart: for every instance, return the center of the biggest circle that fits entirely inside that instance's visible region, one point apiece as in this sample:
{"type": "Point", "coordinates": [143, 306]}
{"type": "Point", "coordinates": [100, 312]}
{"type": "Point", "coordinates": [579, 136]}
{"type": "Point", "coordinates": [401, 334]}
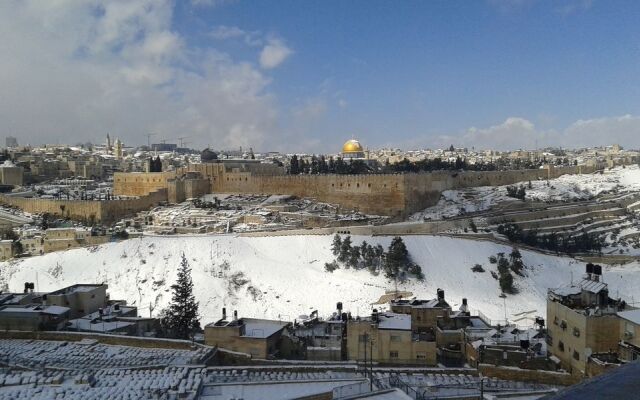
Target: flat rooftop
{"type": "Point", "coordinates": [34, 308]}
{"type": "Point", "coordinates": [79, 288]}
{"type": "Point", "coordinates": [253, 327]}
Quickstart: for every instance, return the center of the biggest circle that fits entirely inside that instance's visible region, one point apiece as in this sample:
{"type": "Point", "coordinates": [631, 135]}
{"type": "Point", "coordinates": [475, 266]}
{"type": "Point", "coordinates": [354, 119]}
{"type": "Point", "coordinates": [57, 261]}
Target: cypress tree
{"type": "Point", "coordinates": [336, 245]}
{"type": "Point", "coordinates": [182, 317]}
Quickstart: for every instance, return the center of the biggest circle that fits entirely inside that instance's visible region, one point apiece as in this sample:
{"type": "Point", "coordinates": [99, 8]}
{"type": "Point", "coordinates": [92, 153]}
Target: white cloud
{"type": "Point", "coordinates": [624, 130]}
{"type": "Point", "coordinates": [274, 53]}
{"type": "Point", "coordinates": [211, 3]}
{"type": "Point", "coordinates": [72, 71]}
{"type": "Point", "coordinates": [223, 32]}
{"type": "Point", "coordinates": [513, 133]}
{"type": "Point", "coordinates": [507, 6]}
{"type": "Point", "coordinates": [520, 133]}
{"type": "Point", "coordinates": [574, 6]}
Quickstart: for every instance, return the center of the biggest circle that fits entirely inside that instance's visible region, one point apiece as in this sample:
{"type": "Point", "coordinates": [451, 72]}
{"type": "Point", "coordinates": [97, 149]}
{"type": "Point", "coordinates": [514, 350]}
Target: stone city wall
{"type": "Point", "coordinates": [374, 194]}
{"type": "Point", "coordinates": [87, 210]}
{"type": "Point", "coordinates": [140, 183]}
{"type": "Point", "coordinates": [394, 195]}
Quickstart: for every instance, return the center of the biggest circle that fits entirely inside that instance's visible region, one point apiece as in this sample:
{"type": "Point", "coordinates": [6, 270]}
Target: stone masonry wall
{"type": "Point", "coordinates": [87, 210]}
{"type": "Point", "coordinates": [395, 195]}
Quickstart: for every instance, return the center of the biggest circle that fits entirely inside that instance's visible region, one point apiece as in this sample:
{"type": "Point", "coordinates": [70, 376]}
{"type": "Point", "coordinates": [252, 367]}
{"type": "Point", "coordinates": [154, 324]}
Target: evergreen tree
{"type": "Point", "coordinates": [294, 166]}
{"type": "Point", "coordinates": [516, 261]}
{"type": "Point", "coordinates": [397, 259]}
{"type": "Point", "coordinates": [44, 225]}
{"type": "Point", "coordinates": [331, 168]}
{"type": "Point", "coordinates": [506, 282]}
{"type": "Point", "coordinates": [323, 165]}
{"type": "Point", "coordinates": [315, 166]}
{"type": "Point", "coordinates": [158, 164]}
{"type": "Point", "coordinates": [345, 249]}
{"type": "Point", "coordinates": [354, 257]}
{"type": "Point", "coordinates": [181, 319]}
{"type": "Point", "coordinates": [336, 245]}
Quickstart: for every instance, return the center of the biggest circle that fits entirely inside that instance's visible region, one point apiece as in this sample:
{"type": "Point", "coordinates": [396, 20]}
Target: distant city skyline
{"type": "Point", "coordinates": [299, 76]}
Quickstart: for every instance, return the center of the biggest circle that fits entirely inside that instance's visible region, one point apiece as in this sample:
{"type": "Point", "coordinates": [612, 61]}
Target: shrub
{"type": "Point", "coordinates": [330, 267]}
{"type": "Point", "coordinates": [477, 268]}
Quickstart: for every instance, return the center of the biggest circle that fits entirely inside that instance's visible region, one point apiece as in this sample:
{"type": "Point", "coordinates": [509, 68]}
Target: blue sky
{"type": "Point", "coordinates": [305, 76]}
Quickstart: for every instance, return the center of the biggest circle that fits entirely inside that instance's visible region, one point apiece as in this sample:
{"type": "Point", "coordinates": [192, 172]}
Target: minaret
{"type": "Point", "coordinates": [108, 144]}
{"type": "Point", "coordinates": [118, 149]}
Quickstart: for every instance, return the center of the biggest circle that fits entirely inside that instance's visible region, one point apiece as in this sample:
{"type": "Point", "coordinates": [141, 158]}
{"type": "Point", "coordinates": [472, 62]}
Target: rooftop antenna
{"type": "Point", "coordinates": [148, 135]}
{"type": "Point", "coordinates": [571, 272]}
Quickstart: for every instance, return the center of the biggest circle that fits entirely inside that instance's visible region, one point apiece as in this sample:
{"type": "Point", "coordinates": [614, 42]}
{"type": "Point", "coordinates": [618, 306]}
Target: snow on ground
{"type": "Point", "coordinates": [564, 188]}
{"type": "Point", "coordinates": [284, 277]}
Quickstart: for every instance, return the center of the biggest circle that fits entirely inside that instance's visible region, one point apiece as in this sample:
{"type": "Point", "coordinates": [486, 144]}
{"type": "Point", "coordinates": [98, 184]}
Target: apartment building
{"type": "Point", "coordinates": [388, 337]}
{"type": "Point", "coordinates": [583, 320]}
{"type": "Point", "coordinates": [82, 299]}
{"type": "Point", "coordinates": [258, 337]}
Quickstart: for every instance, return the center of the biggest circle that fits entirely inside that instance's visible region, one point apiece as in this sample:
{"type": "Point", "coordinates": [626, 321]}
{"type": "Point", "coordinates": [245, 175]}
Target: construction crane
{"type": "Point", "coordinates": [148, 135]}
{"type": "Point", "coordinates": [182, 142]}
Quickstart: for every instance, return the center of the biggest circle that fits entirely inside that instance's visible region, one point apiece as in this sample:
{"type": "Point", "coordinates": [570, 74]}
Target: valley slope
{"type": "Point", "coordinates": [284, 276]}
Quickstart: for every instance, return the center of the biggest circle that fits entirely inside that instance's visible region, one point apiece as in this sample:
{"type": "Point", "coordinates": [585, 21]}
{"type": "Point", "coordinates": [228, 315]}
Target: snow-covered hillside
{"type": "Point", "coordinates": [565, 188]}
{"type": "Point", "coordinates": [284, 277]}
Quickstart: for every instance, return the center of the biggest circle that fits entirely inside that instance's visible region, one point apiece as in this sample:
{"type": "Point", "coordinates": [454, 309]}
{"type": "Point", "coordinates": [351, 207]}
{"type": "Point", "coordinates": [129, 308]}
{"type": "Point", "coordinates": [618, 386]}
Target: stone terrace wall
{"type": "Point", "coordinates": [120, 340]}
{"type": "Point", "coordinates": [528, 375]}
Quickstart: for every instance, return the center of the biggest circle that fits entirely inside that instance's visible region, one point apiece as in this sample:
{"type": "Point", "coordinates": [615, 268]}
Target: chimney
{"type": "Point", "coordinates": [235, 315]}
{"type": "Point", "coordinates": [464, 307]}
{"type": "Point", "coordinates": [224, 313]}
{"type": "Point", "coordinates": [597, 272]}
{"type": "Point", "coordinates": [339, 307]}
{"type": "Point", "coordinates": [590, 270]}
{"type": "Point", "coordinates": [26, 287]}
{"type": "Point", "coordinates": [597, 269]}
{"type": "Point", "coordinates": [374, 316]}
{"type": "Point", "coordinates": [440, 294]}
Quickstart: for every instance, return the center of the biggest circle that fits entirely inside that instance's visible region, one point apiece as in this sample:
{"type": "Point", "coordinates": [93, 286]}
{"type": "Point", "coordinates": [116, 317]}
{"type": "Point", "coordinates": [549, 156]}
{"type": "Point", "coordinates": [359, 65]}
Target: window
{"type": "Point", "coordinates": [421, 355]}
{"type": "Point", "coordinates": [560, 346]}
{"type": "Point", "coordinates": [563, 325]}
{"type": "Point", "coordinates": [576, 332]}
{"type": "Point", "coordinates": [393, 354]}
{"type": "Point", "coordinates": [576, 355]}
{"type": "Point", "coordinates": [555, 321]}
{"type": "Point", "coordinates": [396, 338]}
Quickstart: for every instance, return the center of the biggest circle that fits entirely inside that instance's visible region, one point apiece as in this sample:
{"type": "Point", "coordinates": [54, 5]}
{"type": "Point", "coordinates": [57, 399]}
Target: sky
{"type": "Point", "coordinates": [304, 76]}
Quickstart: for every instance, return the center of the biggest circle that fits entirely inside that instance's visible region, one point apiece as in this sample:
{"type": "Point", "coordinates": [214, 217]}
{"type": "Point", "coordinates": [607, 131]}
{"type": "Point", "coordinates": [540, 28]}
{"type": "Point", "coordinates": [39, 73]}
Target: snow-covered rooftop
{"type": "Point", "coordinates": [631, 315]}
{"type": "Point", "coordinates": [394, 321]}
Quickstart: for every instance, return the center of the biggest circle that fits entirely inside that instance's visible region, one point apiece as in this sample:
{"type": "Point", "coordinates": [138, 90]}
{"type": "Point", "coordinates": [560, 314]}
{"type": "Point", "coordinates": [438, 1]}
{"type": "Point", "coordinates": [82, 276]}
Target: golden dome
{"type": "Point", "coordinates": [352, 146]}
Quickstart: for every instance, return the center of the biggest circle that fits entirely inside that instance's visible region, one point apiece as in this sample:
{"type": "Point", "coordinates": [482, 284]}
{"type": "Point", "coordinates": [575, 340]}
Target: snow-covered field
{"type": "Point", "coordinates": [565, 188]}
{"type": "Point", "coordinates": [284, 277]}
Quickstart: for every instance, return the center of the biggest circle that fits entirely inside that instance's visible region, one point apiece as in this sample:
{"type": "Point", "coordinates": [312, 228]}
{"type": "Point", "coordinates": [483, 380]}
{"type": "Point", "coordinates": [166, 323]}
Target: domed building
{"type": "Point", "coordinates": [208, 155]}
{"type": "Point", "coordinates": [353, 149]}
